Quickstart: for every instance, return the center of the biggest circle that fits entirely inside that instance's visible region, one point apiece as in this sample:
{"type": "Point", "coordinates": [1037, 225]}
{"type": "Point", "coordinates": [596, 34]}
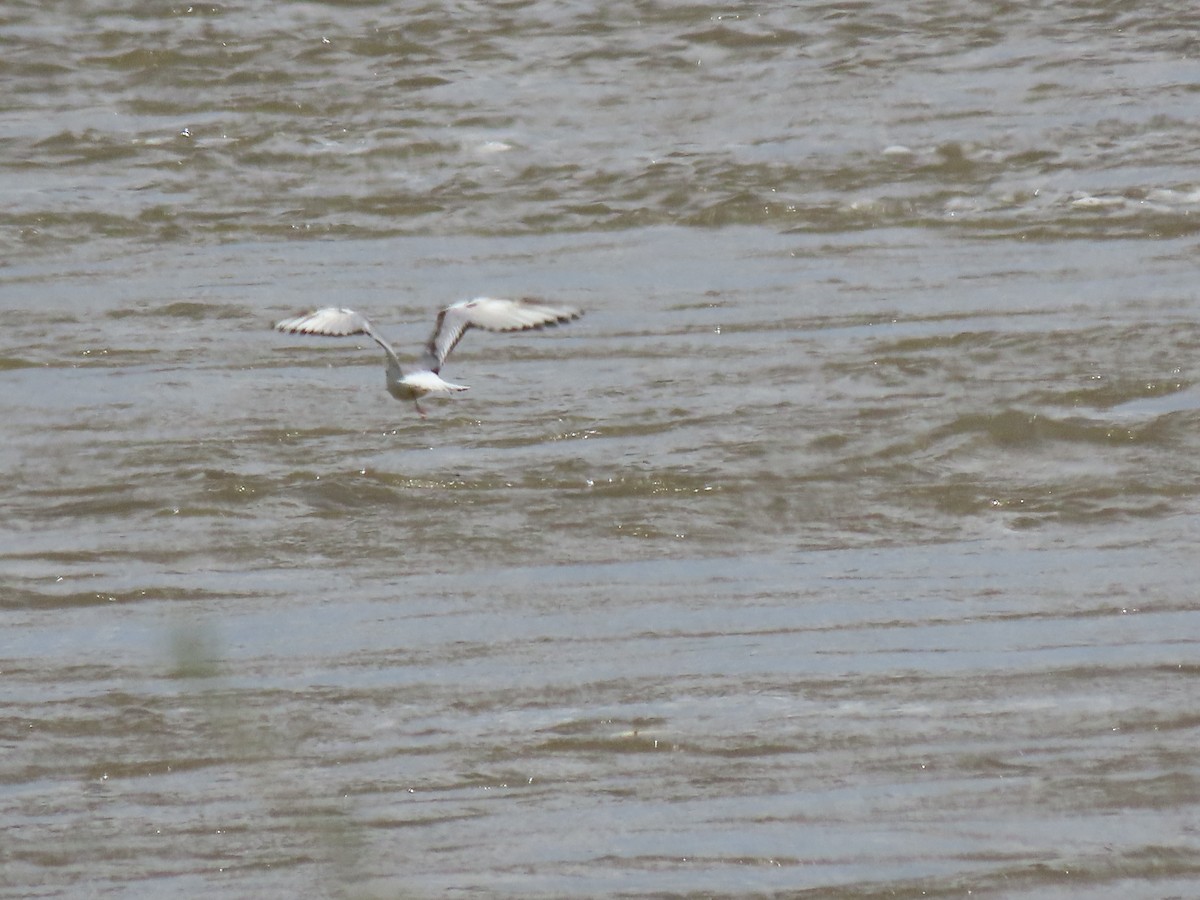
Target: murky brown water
{"type": "Point", "coordinates": [846, 545]}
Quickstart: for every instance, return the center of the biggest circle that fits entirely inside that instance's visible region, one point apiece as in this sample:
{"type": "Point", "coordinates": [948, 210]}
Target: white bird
{"type": "Point", "coordinates": [412, 382]}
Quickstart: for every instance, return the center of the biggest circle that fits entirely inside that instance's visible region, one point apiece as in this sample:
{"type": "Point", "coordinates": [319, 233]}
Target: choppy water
{"type": "Point", "coordinates": [846, 545]}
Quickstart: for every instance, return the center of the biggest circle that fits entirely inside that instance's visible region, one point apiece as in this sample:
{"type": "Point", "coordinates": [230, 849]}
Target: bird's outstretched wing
{"type": "Point", "coordinates": [490, 314]}
{"type": "Point", "coordinates": [334, 321]}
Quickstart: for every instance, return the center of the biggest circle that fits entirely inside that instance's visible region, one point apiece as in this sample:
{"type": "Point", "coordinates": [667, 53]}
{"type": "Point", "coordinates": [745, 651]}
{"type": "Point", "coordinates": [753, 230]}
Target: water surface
{"type": "Point", "coordinates": [846, 545]}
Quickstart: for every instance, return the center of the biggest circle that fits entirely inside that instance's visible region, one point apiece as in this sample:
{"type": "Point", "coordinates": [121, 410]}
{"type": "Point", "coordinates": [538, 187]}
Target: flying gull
{"type": "Point", "coordinates": [412, 382]}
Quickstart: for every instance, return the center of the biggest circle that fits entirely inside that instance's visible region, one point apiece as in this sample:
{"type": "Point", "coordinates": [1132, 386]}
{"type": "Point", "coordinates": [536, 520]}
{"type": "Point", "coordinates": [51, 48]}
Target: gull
{"type": "Point", "coordinates": [412, 382]}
